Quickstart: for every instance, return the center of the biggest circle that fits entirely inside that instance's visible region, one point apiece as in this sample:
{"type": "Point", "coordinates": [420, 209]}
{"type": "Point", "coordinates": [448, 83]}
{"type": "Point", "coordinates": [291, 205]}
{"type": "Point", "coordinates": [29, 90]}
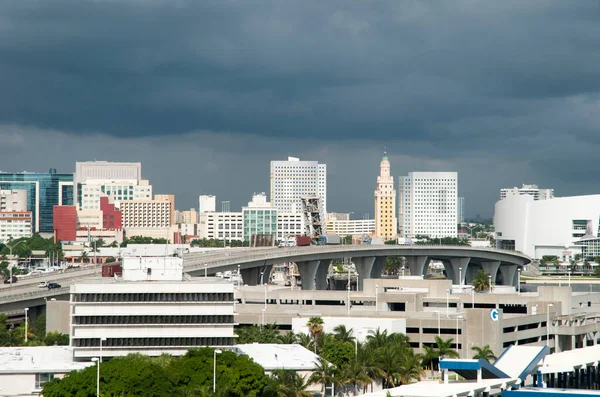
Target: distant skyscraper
{"type": "Point", "coordinates": [293, 179]}
{"type": "Point", "coordinates": [44, 191]}
{"type": "Point", "coordinates": [532, 190]}
{"type": "Point", "coordinates": [119, 181]}
{"type": "Point", "coordinates": [428, 204]}
{"type": "Point", "coordinates": [207, 203]}
{"type": "Point", "coordinates": [386, 223]}
{"type": "Point", "coordinates": [460, 210]}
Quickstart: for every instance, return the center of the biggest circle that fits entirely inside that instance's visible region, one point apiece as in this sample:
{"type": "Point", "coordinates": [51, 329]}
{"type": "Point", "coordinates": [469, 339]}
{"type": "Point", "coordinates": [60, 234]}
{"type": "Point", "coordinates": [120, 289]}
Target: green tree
{"type": "Point", "coordinates": [343, 334]}
{"type": "Point", "coordinates": [110, 259]}
{"type": "Point", "coordinates": [323, 374]}
{"type": "Point", "coordinates": [315, 327]}
{"type": "Point", "coordinates": [288, 338]}
{"type": "Point", "coordinates": [288, 383]}
{"type": "Point", "coordinates": [484, 353]}
{"type": "Point", "coordinates": [481, 281]}
{"type": "Point", "coordinates": [56, 339]}
{"type": "Point", "coordinates": [393, 265]}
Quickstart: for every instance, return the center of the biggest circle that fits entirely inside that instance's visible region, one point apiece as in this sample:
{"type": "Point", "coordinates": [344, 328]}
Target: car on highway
{"type": "Point", "coordinates": [43, 284]}
{"type": "Point", "coordinates": [53, 285]}
{"type": "Point", "coordinates": [14, 280]}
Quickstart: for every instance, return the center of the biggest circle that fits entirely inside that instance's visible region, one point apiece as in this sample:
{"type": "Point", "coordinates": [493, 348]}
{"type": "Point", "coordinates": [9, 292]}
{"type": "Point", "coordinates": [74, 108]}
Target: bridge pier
{"type": "Point", "coordinates": [377, 269]}
{"type": "Point", "coordinates": [252, 276]}
{"type": "Point", "coordinates": [509, 274]}
{"type": "Point", "coordinates": [417, 264]}
{"type": "Point", "coordinates": [364, 267]}
{"type": "Point", "coordinates": [491, 268]}
{"type": "Point", "coordinates": [321, 281]}
{"type": "Point", "coordinates": [308, 273]}
{"type": "Point", "coordinates": [459, 270]}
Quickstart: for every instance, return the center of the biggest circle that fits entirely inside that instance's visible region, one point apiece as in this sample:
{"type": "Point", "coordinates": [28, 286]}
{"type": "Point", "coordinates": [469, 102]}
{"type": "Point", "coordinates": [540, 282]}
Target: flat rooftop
{"type": "Point", "coordinates": [34, 359]}
{"type": "Point", "coordinates": [119, 280]}
{"type": "Point", "coordinates": [279, 356]}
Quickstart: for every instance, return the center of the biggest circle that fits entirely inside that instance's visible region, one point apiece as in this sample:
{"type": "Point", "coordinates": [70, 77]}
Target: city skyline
{"type": "Point", "coordinates": [478, 88]}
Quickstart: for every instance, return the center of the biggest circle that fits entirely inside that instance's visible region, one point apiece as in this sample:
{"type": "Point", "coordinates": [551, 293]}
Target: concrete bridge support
{"type": "Point", "coordinates": [417, 265]}
{"type": "Point", "coordinates": [256, 275]}
{"type": "Point", "coordinates": [509, 274]}
{"type": "Point", "coordinates": [459, 270]}
{"type": "Point", "coordinates": [321, 274]}
{"type": "Point", "coordinates": [308, 273]}
{"type": "Point", "coordinates": [491, 268]}
{"type": "Point", "coordinates": [377, 269]}
{"type": "Point", "coordinates": [364, 267]}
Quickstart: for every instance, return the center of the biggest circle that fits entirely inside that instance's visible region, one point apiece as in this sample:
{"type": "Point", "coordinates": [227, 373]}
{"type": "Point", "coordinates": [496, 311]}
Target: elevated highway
{"type": "Point", "coordinates": [461, 263]}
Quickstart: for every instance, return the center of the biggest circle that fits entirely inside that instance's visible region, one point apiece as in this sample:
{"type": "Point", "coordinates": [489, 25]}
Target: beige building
{"type": "Point", "coordinates": [385, 202]}
{"type": "Point", "coordinates": [171, 199]}
{"type": "Point", "coordinates": [15, 225]}
{"type": "Point", "coordinates": [190, 216]}
{"type": "Point", "coordinates": [146, 213]}
{"type": "Point", "coordinates": [13, 200]}
{"type": "Point", "coordinates": [89, 219]}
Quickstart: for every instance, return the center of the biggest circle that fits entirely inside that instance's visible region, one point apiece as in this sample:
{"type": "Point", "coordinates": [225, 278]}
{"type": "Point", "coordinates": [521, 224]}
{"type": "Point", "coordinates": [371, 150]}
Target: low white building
{"type": "Point", "coordinates": [15, 225]}
{"type": "Point", "coordinates": [24, 370]}
{"type": "Point", "coordinates": [219, 225]}
{"type": "Point", "coordinates": [153, 309]}
{"type": "Point", "coordinates": [273, 357]}
{"type": "Point", "coordinates": [289, 224]}
{"type": "Point", "coordinates": [546, 227]}
{"type": "Point", "coordinates": [351, 227]}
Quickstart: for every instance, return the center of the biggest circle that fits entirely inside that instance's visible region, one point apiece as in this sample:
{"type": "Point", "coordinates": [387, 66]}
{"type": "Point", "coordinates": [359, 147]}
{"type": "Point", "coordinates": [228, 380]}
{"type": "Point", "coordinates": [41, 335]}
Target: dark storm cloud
{"type": "Point", "coordinates": [508, 88]}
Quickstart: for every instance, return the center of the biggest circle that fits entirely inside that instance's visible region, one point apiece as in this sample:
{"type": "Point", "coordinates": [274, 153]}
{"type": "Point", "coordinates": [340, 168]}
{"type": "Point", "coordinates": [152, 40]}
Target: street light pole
{"type": "Point", "coordinates": [548, 324]}
{"type": "Point", "coordinates": [376, 298]}
{"type": "Point", "coordinates": [439, 323]}
{"type": "Point", "coordinates": [10, 248]}
{"type": "Point", "coordinates": [102, 339]}
{"type": "Point", "coordinates": [447, 303]}
{"type": "Point", "coordinates": [26, 310]}
{"type": "Point", "coordinates": [97, 361]}
{"type": "Point", "coordinates": [457, 348]}
{"type": "Point", "coordinates": [215, 369]}
{"type": "Point", "coordinates": [519, 281]}
{"type": "Point", "coordinates": [460, 276]}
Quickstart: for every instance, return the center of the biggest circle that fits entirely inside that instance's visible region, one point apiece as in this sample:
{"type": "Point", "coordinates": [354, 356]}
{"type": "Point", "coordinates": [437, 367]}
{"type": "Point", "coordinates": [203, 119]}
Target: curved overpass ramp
{"type": "Point", "coordinates": [460, 262]}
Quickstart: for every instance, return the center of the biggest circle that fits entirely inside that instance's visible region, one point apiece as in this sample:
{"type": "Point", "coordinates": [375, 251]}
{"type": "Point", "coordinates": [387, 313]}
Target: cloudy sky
{"type": "Point", "coordinates": [206, 93]}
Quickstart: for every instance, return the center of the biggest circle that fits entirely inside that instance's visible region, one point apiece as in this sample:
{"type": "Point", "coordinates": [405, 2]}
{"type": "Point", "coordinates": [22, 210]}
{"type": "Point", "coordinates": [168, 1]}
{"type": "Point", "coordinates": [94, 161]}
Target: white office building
{"type": "Point", "coordinates": [119, 181]}
{"type": "Point", "coordinates": [289, 225]}
{"type": "Point", "coordinates": [531, 190]}
{"type": "Point", "coordinates": [428, 204]}
{"type": "Point", "coordinates": [351, 227]}
{"type": "Point", "coordinates": [546, 227]}
{"type": "Point", "coordinates": [145, 213]}
{"type": "Point", "coordinates": [207, 203]}
{"type": "Point", "coordinates": [13, 200]}
{"type": "Point", "coordinates": [15, 225]}
{"type": "Point", "coordinates": [293, 179]}
{"type": "Point", "coordinates": [153, 309]}
{"type": "Point", "coordinates": [221, 225]}
{"type": "Point", "coordinates": [259, 217]}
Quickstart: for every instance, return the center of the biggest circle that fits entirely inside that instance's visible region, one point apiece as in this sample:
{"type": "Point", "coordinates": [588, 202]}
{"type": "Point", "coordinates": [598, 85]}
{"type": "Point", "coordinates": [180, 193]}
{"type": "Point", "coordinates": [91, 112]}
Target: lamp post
{"type": "Point", "coordinates": [262, 322]}
{"type": "Point", "coordinates": [490, 282]}
{"type": "Point", "coordinates": [519, 281]}
{"type": "Point", "coordinates": [26, 310]}
{"type": "Point", "coordinates": [10, 248]}
{"type": "Point", "coordinates": [439, 323]}
{"type": "Point", "coordinates": [548, 324]}
{"type": "Point", "coordinates": [97, 361]}
{"type": "Point", "coordinates": [460, 276]}
{"type": "Point", "coordinates": [265, 296]}
{"type": "Point", "coordinates": [447, 303]}
{"type": "Point", "coordinates": [217, 351]}
{"type": "Point", "coordinates": [102, 339]}
{"type": "Point", "coordinates": [569, 273]}
{"type": "Point", "coordinates": [376, 298]}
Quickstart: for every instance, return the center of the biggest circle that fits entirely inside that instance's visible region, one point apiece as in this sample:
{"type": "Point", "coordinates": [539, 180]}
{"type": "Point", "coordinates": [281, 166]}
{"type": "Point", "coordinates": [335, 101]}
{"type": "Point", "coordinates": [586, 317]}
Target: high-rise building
{"type": "Point", "coordinates": [259, 217]}
{"type": "Point", "coordinates": [531, 190]}
{"type": "Point", "coordinates": [118, 181]}
{"type": "Point", "coordinates": [188, 217]}
{"type": "Point", "coordinates": [44, 191]}
{"type": "Point", "coordinates": [385, 202]}
{"type": "Point", "coordinates": [428, 204]}
{"type": "Point", "coordinates": [13, 200]}
{"type": "Point", "coordinates": [460, 210]}
{"type": "Point", "coordinates": [145, 213]}
{"type": "Point", "coordinates": [293, 179]}
{"type": "Point", "coordinates": [171, 199]}
{"type": "Point", "coordinates": [207, 203]}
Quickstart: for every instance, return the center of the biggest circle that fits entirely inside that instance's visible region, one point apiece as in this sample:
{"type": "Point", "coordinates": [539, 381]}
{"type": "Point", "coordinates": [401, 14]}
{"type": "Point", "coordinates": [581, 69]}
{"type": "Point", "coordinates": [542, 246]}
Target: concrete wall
{"type": "Point", "coordinates": [58, 317]}
{"type": "Point", "coordinates": [16, 384]}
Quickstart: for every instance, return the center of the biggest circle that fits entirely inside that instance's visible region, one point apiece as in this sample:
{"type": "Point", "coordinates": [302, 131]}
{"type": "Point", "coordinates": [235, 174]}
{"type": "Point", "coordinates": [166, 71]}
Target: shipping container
{"type": "Point", "coordinates": [302, 241]}
{"type": "Point", "coordinates": [110, 269]}
{"type": "Point", "coordinates": [330, 239]}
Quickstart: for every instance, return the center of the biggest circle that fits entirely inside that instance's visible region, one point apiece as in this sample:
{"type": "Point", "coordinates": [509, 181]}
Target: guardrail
{"type": "Point", "coordinates": [56, 272]}
{"type": "Point", "coordinates": [34, 294]}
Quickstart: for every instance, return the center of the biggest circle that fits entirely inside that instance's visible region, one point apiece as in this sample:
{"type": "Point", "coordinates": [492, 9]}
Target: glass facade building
{"type": "Point", "coordinates": [259, 221]}
{"type": "Point", "coordinates": [44, 191]}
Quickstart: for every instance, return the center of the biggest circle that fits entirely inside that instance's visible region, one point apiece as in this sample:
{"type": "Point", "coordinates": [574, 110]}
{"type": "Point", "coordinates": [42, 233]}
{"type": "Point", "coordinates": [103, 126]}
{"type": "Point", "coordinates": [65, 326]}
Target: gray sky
{"type": "Point", "coordinates": [206, 93]}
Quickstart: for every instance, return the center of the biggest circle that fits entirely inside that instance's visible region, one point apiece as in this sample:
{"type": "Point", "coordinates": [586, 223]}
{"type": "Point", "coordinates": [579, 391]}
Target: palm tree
{"type": "Point", "coordinates": [430, 358]}
{"type": "Point", "coordinates": [481, 281]}
{"type": "Point", "coordinates": [484, 353]}
{"type": "Point", "coordinates": [410, 368]}
{"type": "Point", "coordinates": [377, 339]}
{"type": "Point", "coordinates": [288, 338]}
{"type": "Point", "coordinates": [343, 334]}
{"type": "Point", "coordinates": [305, 340]}
{"type": "Point", "coordinates": [315, 327]}
{"type": "Point", "coordinates": [84, 256]}
{"type": "Point", "coordinates": [290, 384]}
{"type": "Point", "coordinates": [324, 373]}
{"type": "Point", "coordinates": [444, 348]}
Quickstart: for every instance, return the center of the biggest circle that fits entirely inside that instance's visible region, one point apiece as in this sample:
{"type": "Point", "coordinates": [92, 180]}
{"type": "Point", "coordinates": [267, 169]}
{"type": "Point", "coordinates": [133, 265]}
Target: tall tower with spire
{"type": "Point", "coordinates": [385, 202]}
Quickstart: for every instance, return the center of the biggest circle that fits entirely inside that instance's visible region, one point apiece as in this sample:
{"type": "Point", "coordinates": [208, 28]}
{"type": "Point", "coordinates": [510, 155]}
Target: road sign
{"type": "Point", "coordinates": [494, 314]}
